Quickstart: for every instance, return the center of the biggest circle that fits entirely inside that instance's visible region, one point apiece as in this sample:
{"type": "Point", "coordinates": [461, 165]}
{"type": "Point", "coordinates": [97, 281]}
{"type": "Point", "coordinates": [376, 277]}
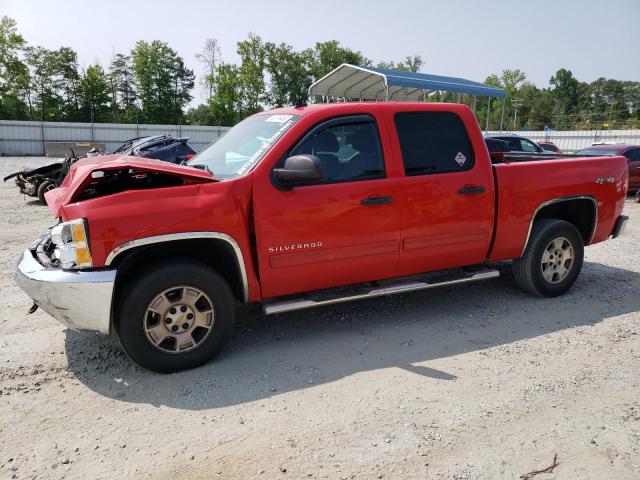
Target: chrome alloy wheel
{"type": "Point", "coordinates": [179, 319]}
{"type": "Point", "coordinates": [557, 260]}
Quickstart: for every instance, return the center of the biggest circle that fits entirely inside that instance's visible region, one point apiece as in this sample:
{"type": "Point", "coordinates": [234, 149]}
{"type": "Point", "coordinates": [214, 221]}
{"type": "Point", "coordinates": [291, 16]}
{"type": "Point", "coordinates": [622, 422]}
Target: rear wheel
{"type": "Point", "coordinates": [43, 188]}
{"type": "Point", "coordinates": [175, 317]}
{"type": "Point", "coordinates": [553, 259]}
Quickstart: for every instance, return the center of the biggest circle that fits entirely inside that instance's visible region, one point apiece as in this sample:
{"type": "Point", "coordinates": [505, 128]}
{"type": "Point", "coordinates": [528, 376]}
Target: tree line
{"type": "Point", "coordinates": [152, 84]}
{"type": "Point", "coordinates": [567, 104]}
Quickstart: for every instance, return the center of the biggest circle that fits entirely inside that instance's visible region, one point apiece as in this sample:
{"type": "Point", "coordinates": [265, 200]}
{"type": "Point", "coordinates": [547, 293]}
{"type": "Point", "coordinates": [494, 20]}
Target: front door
{"type": "Point", "coordinates": [447, 201]}
{"type": "Point", "coordinates": [341, 230]}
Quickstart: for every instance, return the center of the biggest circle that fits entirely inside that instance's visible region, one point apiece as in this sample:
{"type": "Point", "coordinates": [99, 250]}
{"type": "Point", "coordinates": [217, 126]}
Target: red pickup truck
{"type": "Point", "coordinates": [293, 203]}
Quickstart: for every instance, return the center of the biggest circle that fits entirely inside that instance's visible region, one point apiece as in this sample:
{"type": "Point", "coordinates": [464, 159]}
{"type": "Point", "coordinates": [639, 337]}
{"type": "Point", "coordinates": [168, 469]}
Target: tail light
{"type": "Point", "coordinates": [189, 156]}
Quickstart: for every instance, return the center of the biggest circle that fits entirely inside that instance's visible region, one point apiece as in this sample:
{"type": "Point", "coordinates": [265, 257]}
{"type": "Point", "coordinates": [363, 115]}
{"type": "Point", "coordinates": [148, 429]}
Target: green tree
{"type": "Point", "coordinates": [289, 75]}
{"type": "Point", "coordinates": [123, 90]}
{"type": "Point", "coordinates": [541, 114]}
{"type": "Point", "coordinates": [610, 106]}
{"type": "Point", "coordinates": [503, 111]}
{"type": "Point", "coordinates": [163, 82]}
{"type": "Point", "coordinates": [511, 80]}
{"type": "Point", "coordinates": [14, 75]}
{"type": "Point", "coordinates": [44, 86]}
{"type": "Point", "coordinates": [326, 56]}
{"type": "Point", "coordinates": [527, 95]}
{"type": "Point", "coordinates": [54, 88]}
{"type": "Point", "coordinates": [251, 73]}
{"type": "Point", "coordinates": [94, 88]}
{"type": "Point", "coordinates": [226, 102]}
{"type": "Point", "coordinates": [200, 115]}
{"type": "Point", "coordinates": [68, 78]}
{"type": "Point", "coordinates": [569, 97]}
{"type": "Point", "coordinates": [632, 100]}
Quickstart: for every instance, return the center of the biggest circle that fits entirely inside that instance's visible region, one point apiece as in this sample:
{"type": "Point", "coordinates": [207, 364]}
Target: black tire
{"type": "Point", "coordinates": [528, 270]}
{"type": "Point", "coordinates": [43, 188]}
{"type": "Point", "coordinates": [132, 316]}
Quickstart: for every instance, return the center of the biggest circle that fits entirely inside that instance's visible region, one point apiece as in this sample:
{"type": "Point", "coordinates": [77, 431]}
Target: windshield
{"type": "Point", "coordinates": [598, 151]}
{"type": "Point", "coordinates": [242, 147]}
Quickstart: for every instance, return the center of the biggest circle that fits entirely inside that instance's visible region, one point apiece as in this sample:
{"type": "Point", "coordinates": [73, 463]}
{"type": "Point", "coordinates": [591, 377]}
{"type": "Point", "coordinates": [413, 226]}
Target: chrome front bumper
{"type": "Point", "coordinates": [80, 300]}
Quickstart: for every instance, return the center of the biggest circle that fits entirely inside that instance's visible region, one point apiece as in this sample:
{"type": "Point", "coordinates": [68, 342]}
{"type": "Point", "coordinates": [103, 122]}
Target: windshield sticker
{"type": "Point", "coordinates": [266, 145]}
{"type": "Point", "coordinates": [279, 118]}
{"type": "Point", "coordinates": [460, 158]}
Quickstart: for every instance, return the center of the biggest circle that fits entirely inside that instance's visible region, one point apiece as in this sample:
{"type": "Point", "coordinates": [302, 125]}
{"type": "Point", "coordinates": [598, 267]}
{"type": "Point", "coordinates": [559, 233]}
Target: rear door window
{"type": "Point", "coordinates": [433, 142]}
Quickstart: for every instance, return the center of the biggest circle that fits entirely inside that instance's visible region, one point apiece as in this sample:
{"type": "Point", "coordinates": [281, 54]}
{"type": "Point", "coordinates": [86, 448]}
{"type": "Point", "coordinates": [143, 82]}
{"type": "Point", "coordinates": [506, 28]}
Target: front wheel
{"type": "Point", "coordinates": [552, 260]}
{"type": "Point", "coordinates": [175, 317]}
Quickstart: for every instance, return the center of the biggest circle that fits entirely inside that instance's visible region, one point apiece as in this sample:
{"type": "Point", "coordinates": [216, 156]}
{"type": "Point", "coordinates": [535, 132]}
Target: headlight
{"type": "Point", "coordinates": [72, 244]}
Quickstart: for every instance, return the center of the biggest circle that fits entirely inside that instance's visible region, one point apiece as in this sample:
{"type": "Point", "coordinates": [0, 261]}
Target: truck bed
{"type": "Point", "coordinates": [531, 182]}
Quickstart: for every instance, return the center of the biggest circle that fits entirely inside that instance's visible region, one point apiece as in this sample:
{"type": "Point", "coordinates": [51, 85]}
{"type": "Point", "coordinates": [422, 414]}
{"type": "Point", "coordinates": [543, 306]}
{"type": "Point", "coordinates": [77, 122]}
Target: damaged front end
{"type": "Point", "coordinates": [112, 174]}
{"type": "Point", "coordinates": [58, 270]}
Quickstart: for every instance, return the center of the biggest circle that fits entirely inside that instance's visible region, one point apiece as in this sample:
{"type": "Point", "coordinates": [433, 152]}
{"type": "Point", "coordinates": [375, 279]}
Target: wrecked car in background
{"type": "Point", "coordinates": [37, 181]}
{"type": "Point", "coordinates": [159, 147]}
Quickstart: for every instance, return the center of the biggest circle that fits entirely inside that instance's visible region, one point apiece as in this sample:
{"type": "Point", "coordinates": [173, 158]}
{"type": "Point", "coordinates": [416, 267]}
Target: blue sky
{"type": "Point", "coordinates": [466, 38]}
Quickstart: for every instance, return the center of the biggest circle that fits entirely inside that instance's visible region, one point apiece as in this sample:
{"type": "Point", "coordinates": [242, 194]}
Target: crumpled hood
{"type": "Point", "coordinates": [80, 175]}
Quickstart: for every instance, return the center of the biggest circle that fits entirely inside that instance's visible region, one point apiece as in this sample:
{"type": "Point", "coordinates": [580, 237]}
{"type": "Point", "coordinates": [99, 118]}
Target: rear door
{"type": "Point", "coordinates": [447, 193]}
{"type": "Point", "coordinates": [341, 230]}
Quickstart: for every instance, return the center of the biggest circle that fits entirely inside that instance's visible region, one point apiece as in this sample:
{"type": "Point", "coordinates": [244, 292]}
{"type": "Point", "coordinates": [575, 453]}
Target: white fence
{"type": "Point", "coordinates": [573, 140]}
{"type": "Point", "coordinates": [28, 138]}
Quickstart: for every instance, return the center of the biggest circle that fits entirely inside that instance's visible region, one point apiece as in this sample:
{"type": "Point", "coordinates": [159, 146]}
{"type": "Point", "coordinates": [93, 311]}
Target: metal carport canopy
{"type": "Point", "coordinates": [371, 83]}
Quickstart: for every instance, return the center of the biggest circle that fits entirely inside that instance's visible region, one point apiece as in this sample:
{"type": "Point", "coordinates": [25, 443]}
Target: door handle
{"type": "Point", "coordinates": [375, 201]}
{"type": "Point", "coordinates": [471, 190]}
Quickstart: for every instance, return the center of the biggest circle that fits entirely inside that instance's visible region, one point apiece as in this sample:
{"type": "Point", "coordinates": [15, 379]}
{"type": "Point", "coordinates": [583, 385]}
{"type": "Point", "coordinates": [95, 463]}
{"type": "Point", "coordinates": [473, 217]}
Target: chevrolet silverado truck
{"type": "Point", "coordinates": [307, 206]}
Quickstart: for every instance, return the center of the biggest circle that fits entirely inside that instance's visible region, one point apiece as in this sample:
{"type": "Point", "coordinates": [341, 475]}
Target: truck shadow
{"type": "Point", "coordinates": [272, 355]}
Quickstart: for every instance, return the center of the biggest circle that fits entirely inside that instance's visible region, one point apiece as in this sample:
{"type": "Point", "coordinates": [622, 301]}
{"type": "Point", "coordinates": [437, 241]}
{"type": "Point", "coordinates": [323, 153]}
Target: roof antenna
{"type": "Point", "coordinates": [301, 102]}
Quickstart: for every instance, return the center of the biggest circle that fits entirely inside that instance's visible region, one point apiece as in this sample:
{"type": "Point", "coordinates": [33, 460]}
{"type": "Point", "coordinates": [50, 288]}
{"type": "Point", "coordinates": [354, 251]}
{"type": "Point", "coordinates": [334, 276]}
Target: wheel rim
{"type": "Point", "coordinates": [179, 319]}
{"type": "Point", "coordinates": [557, 260]}
{"type": "Point", "coordinates": [49, 187]}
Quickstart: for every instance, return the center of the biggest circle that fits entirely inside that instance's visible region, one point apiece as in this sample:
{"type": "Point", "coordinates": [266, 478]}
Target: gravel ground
{"type": "Point", "coordinates": [479, 381]}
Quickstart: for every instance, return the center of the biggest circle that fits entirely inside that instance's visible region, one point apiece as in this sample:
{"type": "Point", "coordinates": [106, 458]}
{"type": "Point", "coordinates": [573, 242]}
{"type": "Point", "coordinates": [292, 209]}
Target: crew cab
{"type": "Point", "coordinates": [306, 206]}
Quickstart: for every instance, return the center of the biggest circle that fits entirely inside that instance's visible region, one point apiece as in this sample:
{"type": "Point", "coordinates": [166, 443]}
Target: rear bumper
{"type": "Point", "coordinates": [79, 300]}
{"type": "Point", "coordinates": [620, 226]}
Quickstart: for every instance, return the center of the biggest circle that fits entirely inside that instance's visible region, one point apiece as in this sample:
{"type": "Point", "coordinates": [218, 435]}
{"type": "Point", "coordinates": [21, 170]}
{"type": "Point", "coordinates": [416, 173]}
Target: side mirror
{"type": "Point", "coordinates": [300, 169]}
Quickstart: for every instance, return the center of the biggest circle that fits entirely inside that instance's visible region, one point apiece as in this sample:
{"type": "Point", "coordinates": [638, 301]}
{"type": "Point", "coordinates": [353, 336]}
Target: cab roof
{"type": "Point", "coordinates": [349, 106]}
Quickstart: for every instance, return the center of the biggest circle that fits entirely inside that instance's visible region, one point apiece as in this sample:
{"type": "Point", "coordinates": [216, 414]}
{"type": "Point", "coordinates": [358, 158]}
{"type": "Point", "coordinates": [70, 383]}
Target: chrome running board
{"type": "Point", "coordinates": [274, 307]}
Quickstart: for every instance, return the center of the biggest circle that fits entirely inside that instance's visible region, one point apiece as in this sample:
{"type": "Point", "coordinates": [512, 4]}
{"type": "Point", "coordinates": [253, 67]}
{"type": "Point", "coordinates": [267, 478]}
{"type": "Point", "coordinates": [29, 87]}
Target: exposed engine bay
{"type": "Point", "coordinates": [109, 182]}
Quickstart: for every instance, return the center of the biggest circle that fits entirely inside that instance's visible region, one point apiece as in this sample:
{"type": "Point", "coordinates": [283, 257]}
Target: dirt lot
{"type": "Point", "coordinates": [469, 382]}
